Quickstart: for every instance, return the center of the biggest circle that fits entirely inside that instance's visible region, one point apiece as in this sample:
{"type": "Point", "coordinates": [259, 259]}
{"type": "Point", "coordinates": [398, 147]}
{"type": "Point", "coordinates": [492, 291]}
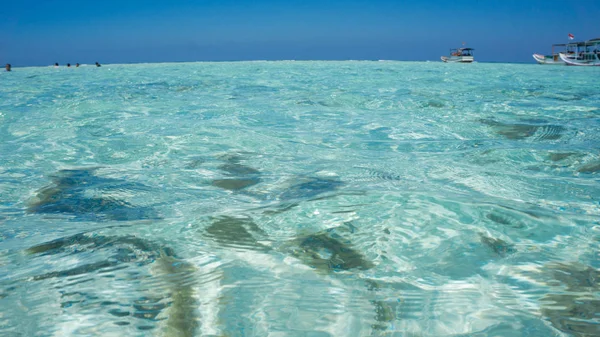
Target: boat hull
{"type": "Point", "coordinates": [548, 59]}
{"type": "Point", "coordinates": [584, 60]}
{"type": "Point", "coordinates": [457, 59]}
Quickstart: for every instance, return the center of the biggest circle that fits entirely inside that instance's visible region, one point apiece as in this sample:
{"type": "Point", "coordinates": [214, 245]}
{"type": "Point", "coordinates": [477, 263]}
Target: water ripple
{"type": "Point", "coordinates": [299, 198]}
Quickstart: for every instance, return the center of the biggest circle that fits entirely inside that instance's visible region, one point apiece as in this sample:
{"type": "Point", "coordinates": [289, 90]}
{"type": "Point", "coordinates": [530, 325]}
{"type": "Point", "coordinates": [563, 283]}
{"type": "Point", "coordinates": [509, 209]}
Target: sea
{"type": "Point", "coordinates": [300, 198]}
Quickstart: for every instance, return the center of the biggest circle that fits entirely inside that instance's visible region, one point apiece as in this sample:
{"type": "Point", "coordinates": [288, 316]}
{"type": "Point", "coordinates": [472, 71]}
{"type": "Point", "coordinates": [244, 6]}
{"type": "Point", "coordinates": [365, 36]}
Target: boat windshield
{"type": "Point", "coordinates": [466, 52]}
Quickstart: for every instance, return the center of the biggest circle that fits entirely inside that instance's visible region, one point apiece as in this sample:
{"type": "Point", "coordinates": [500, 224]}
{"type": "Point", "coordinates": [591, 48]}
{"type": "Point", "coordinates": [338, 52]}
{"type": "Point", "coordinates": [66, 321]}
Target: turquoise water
{"type": "Point", "coordinates": [300, 199]}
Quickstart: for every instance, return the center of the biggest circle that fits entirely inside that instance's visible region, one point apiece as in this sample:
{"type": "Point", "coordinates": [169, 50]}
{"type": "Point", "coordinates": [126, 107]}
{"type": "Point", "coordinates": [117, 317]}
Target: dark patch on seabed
{"type": "Point", "coordinates": [234, 184]}
{"type": "Point", "coordinates": [576, 309]}
{"type": "Point", "coordinates": [310, 187]}
{"type": "Point", "coordinates": [498, 246]}
{"type": "Point", "coordinates": [237, 169]}
{"type": "Point", "coordinates": [240, 233]}
{"type": "Point", "coordinates": [518, 131]}
{"type": "Point", "coordinates": [121, 260]}
{"type": "Point", "coordinates": [238, 176]}
{"type": "Point", "coordinates": [303, 189]}
{"type": "Point", "coordinates": [559, 156]}
{"type": "Point", "coordinates": [326, 253]}
{"type": "Point", "coordinates": [591, 167]}
{"type": "Point", "coordinates": [82, 194]}
{"type": "Point", "coordinates": [505, 219]}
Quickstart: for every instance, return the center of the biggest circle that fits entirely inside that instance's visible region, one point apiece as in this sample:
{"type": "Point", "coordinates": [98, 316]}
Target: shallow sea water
{"type": "Point", "coordinates": [300, 199]}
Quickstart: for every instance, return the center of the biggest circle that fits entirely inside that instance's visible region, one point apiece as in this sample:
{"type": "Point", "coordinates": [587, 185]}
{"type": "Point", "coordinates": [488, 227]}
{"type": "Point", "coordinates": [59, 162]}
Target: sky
{"type": "Point", "coordinates": [42, 32]}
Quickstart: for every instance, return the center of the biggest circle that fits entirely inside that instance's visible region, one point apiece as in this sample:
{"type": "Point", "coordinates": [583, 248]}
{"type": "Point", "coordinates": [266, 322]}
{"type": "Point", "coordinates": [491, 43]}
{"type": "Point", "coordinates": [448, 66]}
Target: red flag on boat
{"type": "Point", "coordinates": [571, 36]}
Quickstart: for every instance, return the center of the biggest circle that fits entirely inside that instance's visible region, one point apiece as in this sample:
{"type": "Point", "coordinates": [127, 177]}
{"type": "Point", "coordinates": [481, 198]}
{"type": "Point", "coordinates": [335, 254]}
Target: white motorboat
{"type": "Point", "coordinates": [460, 55]}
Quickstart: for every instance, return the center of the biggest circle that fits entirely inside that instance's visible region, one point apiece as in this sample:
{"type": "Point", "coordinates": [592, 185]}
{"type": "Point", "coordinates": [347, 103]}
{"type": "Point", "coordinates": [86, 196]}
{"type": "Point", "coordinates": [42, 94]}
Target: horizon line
{"type": "Point", "coordinates": [261, 60]}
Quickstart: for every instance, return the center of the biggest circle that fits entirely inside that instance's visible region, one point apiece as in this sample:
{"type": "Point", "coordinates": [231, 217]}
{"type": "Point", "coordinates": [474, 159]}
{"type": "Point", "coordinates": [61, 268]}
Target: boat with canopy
{"type": "Point", "coordinates": [459, 55]}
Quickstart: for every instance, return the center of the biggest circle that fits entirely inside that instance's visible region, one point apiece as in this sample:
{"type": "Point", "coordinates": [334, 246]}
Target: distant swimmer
{"type": "Point", "coordinates": [8, 67]}
{"type": "Point", "coordinates": [76, 65]}
{"type": "Point", "coordinates": [98, 64]}
{"type": "Point", "coordinates": [55, 65]}
{"type": "Point", "coordinates": [68, 65]}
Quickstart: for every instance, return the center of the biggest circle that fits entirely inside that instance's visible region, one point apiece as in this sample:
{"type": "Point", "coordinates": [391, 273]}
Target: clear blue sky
{"type": "Point", "coordinates": [41, 32]}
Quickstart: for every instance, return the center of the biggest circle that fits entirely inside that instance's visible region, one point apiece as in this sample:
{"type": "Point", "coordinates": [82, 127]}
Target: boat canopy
{"type": "Point", "coordinates": [583, 43]}
{"type": "Point", "coordinates": [461, 51]}
{"type": "Point", "coordinates": [578, 43]}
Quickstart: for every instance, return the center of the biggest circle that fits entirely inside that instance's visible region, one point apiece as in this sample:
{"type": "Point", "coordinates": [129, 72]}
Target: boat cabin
{"type": "Point", "coordinates": [462, 52]}
{"type": "Point", "coordinates": [587, 50]}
